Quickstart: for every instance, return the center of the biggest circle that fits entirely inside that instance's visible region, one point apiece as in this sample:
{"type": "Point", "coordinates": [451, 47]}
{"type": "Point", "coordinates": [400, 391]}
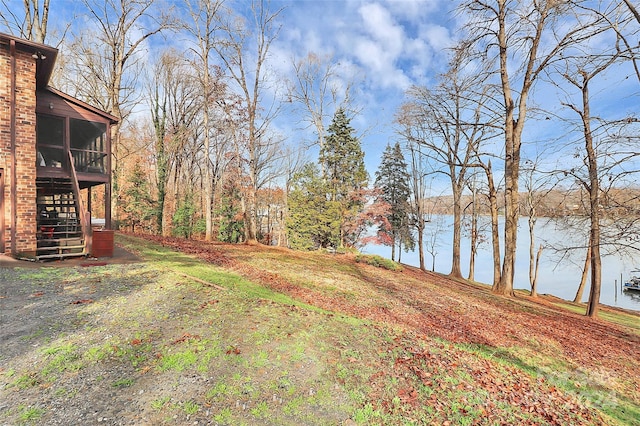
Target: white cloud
{"type": "Point", "coordinates": [414, 11]}
{"type": "Point", "coordinates": [379, 23]}
{"type": "Point", "coordinates": [437, 36]}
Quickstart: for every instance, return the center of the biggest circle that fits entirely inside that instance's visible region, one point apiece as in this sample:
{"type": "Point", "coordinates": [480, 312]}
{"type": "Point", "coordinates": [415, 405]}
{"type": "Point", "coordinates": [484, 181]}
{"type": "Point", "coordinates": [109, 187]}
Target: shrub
{"type": "Point", "coordinates": [378, 261]}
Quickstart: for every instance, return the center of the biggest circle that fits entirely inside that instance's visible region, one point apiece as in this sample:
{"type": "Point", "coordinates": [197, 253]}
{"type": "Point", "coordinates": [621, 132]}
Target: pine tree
{"type": "Point", "coordinates": [231, 229]}
{"type": "Point", "coordinates": [342, 161]}
{"type": "Point", "coordinates": [314, 220]}
{"type": "Point", "coordinates": [184, 218]}
{"type": "Point", "coordinates": [139, 208]}
{"type": "Point", "coordinates": [392, 179]}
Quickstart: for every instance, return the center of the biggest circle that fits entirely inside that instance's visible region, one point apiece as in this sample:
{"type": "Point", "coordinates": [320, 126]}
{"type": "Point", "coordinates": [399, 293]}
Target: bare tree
{"type": "Point", "coordinates": [318, 88]}
{"type": "Point", "coordinates": [474, 223]}
{"type": "Point", "coordinates": [515, 30]}
{"type": "Point", "coordinates": [248, 70]}
{"type": "Point", "coordinates": [418, 171]}
{"type": "Point", "coordinates": [158, 100]}
{"type": "Point", "coordinates": [605, 151]}
{"type": "Point", "coordinates": [449, 122]}
{"type": "Point", "coordinates": [173, 99]}
{"type": "Point", "coordinates": [107, 61]}
{"type": "Point", "coordinates": [203, 27]}
{"type": "Point", "coordinates": [436, 226]}
{"type": "Point", "coordinates": [536, 185]}
{"type": "Point", "coordinates": [31, 24]}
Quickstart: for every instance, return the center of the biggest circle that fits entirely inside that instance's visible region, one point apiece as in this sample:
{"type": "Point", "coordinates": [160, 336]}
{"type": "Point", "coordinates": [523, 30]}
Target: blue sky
{"type": "Point", "coordinates": [383, 47]}
{"type": "Point", "coordinates": [388, 45]}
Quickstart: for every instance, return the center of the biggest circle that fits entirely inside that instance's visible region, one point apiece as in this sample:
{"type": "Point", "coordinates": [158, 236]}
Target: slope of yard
{"type": "Point", "coordinates": [202, 333]}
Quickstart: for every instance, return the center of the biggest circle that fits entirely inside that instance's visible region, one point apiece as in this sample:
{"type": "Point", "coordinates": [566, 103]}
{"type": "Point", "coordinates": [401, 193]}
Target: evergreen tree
{"type": "Point", "coordinates": [139, 208]}
{"type": "Point", "coordinates": [342, 161]}
{"type": "Point", "coordinates": [184, 218]}
{"type": "Point", "coordinates": [314, 220]}
{"type": "Point", "coordinates": [231, 221]}
{"type": "Point", "coordinates": [392, 179]}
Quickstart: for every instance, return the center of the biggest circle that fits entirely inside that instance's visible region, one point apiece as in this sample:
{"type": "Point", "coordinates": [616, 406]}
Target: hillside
{"type": "Point", "coordinates": [224, 334]}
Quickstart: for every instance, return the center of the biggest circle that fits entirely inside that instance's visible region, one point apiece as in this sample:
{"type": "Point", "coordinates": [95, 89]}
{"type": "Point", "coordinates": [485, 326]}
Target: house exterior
{"type": "Point", "coordinates": [53, 150]}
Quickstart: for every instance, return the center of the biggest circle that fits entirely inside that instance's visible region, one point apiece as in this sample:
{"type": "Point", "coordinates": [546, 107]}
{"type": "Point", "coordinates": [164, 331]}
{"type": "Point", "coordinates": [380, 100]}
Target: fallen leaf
{"type": "Point", "coordinates": [233, 350]}
{"type": "Point", "coordinates": [185, 337]}
{"type": "Point", "coordinates": [81, 302]}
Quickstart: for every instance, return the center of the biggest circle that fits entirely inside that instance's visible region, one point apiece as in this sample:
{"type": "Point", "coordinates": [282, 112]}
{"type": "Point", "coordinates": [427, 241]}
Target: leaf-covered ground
{"type": "Point", "coordinates": [542, 343]}
{"type": "Point", "coordinates": [223, 334]}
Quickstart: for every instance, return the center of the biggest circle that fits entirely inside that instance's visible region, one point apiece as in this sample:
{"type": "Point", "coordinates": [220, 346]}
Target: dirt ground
{"type": "Point", "coordinates": [108, 341]}
{"type": "Point", "coordinates": [120, 256]}
{"type": "Point", "coordinates": [35, 313]}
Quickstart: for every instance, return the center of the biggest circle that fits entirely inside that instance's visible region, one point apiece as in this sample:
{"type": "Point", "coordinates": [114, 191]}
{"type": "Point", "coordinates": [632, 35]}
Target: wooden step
{"type": "Point", "coordinates": [59, 248]}
{"type": "Point", "coordinates": [77, 233]}
{"type": "Point", "coordinates": [59, 256]}
{"type": "Point", "coordinates": [68, 241]}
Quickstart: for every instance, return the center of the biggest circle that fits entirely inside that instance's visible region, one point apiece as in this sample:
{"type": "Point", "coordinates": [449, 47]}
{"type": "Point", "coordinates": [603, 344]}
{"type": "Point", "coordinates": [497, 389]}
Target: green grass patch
{"type": "Point", "coordinates": [62, 358]}
{"type": "Point", "coordinates": [224, 416]}
{"type": "Point", "coordinates": [28, 415]}
{"type": "Point", "coordinates": [124, 382]}
{"type": "Point", "coordinates": [190, 407]}
{"type": "Point", "coordinates": [378, 261]}
{"type": "Point", "coordinates": [178, 361]}
{"type": "Point", "coordinates": [160, 403]}
{"type": "Point", "coordinates": [27, 380]}
{"type": "Point", "coordinates": [260, 411]}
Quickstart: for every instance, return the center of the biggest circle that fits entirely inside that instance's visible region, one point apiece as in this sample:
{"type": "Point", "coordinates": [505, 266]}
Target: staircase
{"type": "Point", "coordinates": [59, 233]}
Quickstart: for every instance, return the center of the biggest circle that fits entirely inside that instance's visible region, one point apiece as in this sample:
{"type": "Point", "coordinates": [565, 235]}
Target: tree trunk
{"type": "Point", "coordinates": [474, 241]}
{"type": "Point", "coordinates": [594, 204]}
{"type": "Point", "coordinates": [532, 251]}
{"type": "Point", "coordinates": [596, 271]}
{"type": "Point", "coordinates": [393, 249]}
{"type": "Point", "coordinates": [456, 271]}
{"type": "Point", "coordinates": [505, 283]}
{"type": "Point", "coordinates": [513, 131]}
{"type": "Point", "coordinates": [208, 185]}
{"type": "Point", "coordinates": [534, 282]}
{"type": "Point", "coordinates": [583, 278]}
{"type": "Point", "coordinates": [495, 230]}
{"type": "Point", "coordinates": [512, 165]}
{"type": "Point", "coordinates": [421, 243]}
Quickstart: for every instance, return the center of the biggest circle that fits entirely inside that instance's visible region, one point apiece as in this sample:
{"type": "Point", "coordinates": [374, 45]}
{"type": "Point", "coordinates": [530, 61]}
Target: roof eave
{"type": "Point", "coordinates": [45, 56]}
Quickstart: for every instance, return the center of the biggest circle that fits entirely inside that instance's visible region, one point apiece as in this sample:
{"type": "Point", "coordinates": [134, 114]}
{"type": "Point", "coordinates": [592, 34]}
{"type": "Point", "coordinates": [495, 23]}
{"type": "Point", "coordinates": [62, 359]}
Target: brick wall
{"type": "Point", "coordinates": [5, 140]}
{"type": "Point", "coordinates": [24, 189]}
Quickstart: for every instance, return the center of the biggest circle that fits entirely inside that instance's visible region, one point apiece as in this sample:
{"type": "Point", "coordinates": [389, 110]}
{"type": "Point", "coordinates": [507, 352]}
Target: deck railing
{"type": "Point", "coordinates": [85, 216]}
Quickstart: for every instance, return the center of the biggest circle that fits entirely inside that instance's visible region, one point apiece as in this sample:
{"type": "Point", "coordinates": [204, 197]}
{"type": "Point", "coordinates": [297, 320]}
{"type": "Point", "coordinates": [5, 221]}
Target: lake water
{"type": "Point", "coordinates": [557, 275]}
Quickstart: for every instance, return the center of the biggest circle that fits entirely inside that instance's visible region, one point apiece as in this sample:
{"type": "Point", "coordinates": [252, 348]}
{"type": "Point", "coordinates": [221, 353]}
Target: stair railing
{"type": "Point", "coordinates": [85, 216]}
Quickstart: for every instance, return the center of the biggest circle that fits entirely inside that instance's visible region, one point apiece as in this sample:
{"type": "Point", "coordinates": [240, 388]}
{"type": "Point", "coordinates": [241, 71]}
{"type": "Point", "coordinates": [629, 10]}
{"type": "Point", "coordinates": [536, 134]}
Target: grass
{"type": "Point", "coordinates": [61, 358]}
{"type": "Point", "coordinates": [29, 415]}
{"type": "Point", "coordinates": [190, 407]}
{"type": "Point", "coordinates": [159, 403]}
{"type": "Point", "coordinates": [379, 261]}
{"type": "Point", "coordinates": [188, 352]}
{"type": "Point", "coordinates": [125, 382]}
{"type": "Point", "coordinates": [178, 361]}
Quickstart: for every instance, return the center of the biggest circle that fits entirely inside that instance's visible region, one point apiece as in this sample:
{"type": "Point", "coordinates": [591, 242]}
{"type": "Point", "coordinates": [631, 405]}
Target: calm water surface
{"type": "Point", "coordinates": [558, 275]}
